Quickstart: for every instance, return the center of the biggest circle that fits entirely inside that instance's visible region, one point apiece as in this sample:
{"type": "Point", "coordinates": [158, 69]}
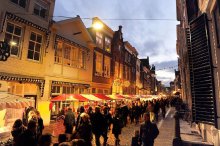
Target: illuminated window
{"type": "Point", "coordinates": [99, 62]}
{"type": "Point", "coordinates": [34, 48]}
{"type": "Point", "coordinates": [41, 9]}
{"type": "Point", "coordinates": [82, 61]}
{"type": "Point", "coordinates": [68, 90]}
{"type": "Point", "coordinates": [66, 55]}
{"type": "Point", "coordinates": [75, 57]}
{"type": "Point", "coordinates": [55, 89]}
{"type": "Point", "coordinates": [93, 90]}
{"type": "Point", "coordinates": [13, 33]}
{"type": "Point", "coordinates": [107, 67]}
{"type": "Point", "coordinates": [108, 44]}
{"type": "Point", "coordinates": [106, 92]}
{"type": "Point", "coordinates": [100, 91]}
{"type": "Point", "coordinates": [99, 40]}
{"type": "Point", "coordinates": [126, 72]}
{"type": "Point", "coordinates": [121, 71]}
{"type": "Point", "coordinates": [21, 3]}
{"type": "Point", "coordinates": [116, 69]}
{"type": "Point", "coordinates": [58, 53]}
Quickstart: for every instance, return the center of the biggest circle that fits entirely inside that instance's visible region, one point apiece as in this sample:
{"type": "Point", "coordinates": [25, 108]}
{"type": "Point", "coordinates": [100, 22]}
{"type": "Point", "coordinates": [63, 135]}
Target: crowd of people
{"type": "Point", "coordinates": [98, 121]}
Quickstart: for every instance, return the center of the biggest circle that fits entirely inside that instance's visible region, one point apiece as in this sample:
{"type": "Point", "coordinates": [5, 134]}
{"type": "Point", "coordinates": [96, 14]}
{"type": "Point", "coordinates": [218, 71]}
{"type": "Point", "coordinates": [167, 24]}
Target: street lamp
{"type": "Point", "coordinates": [97, 25]}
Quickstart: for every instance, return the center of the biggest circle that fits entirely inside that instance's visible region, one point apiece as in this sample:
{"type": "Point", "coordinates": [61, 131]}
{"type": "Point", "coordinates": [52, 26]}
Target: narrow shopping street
{"type": "Point", "coordinates": [166, 128]}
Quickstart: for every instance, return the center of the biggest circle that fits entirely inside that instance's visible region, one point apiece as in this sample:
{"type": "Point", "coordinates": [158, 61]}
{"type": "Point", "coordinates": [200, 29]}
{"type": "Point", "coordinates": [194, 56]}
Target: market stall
{"type": "Point", "coordinates": [11, 108]}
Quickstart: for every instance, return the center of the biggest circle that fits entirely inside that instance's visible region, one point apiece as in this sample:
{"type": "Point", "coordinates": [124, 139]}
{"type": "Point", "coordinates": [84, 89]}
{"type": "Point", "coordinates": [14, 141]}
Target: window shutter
{"type": "Point", "coordinates": [201, 72]}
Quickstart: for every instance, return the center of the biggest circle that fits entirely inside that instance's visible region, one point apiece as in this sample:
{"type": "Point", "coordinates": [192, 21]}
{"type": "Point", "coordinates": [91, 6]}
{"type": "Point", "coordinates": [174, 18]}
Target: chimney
{"type": "Point", "coordinates": [120, 27]}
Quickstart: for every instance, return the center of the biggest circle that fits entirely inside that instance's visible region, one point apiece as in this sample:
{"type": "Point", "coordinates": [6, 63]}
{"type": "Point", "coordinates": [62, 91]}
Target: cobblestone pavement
{"type": "Point", "coordinates": [166, 128]}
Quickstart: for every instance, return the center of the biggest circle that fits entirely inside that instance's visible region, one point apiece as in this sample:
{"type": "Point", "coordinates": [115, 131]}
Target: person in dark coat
{"type": "Point", "coordinates": [99, 126]}
{"type": "Point", "coordinates": [17, 129]}
{"type": "Point", "coordinates": [117, 127]}
{"type": "Point", "coordinates": [148, 131]}
{"type": "Point", "coordinates": [29, 136]}
{"type": "Point", "coordinates": [136, 141]}
{"type": "Point", "coordinates": [79, 120]}
{"type": "Point", "coordinates": [69, 121]}
{"type": "Point", "coordinates": [40, 125]}
{"type": "Point", "coordinates": [85, 130]}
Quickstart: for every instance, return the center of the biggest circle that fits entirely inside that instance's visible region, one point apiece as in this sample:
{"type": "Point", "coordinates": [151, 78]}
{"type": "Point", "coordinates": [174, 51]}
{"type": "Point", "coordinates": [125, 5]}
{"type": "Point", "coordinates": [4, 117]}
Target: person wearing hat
{"type": "Point", "coordinates": [148, 131]}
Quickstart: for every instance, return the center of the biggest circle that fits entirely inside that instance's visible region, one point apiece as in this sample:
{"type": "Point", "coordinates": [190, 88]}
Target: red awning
{"type": "Point", "coordinates": [102, 96]}
{"type": "Point", "coordinates": [70, 97]}
{"type": "Point", "coordinates": [119, 96]}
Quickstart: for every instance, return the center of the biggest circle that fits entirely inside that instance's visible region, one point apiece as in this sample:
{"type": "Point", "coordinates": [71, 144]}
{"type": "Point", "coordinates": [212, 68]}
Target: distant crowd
{"type": "Point", "coordinates": [98, 121]}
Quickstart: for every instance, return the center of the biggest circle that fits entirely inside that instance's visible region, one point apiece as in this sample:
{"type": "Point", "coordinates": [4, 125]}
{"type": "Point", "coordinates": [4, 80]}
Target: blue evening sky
{"type": "Point", "coordinates": [153, 38]}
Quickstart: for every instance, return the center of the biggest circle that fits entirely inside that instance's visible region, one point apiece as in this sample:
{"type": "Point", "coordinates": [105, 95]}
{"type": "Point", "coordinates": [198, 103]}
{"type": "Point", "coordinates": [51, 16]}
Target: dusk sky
{"type": "Point", "coordinates": [153, 38]}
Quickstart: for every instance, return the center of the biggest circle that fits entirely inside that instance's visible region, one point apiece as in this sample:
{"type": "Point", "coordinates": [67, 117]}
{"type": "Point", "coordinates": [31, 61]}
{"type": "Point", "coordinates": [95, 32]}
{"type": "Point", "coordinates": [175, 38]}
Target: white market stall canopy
{"type": "Point", "coordinates": [13, 101]}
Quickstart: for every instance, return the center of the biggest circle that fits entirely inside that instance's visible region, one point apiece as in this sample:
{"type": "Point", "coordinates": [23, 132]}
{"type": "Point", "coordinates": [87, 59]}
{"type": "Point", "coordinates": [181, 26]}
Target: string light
{"type": "Point", "coordinates": [114, 19]}
{"type": "Point", "coordinates": [167, 68]}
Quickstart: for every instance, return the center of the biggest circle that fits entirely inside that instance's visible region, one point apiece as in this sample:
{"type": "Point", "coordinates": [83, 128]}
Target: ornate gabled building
{"type": "Point", "coordinates": [129, 79]}
{"type": "Point", "coordinates": [102, 58]}
{"type": "Point", "coordinates": [118, 57]}
{"type": "Point", "coordinates": [148, 77]}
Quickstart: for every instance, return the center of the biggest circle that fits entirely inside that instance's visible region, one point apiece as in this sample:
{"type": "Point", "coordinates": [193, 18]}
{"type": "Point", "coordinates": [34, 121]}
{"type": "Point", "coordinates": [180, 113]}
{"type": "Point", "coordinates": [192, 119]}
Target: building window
{"type": "Point", "coordinates": [121, 71]}
{"type": "Point", "coordinates": [107, 67]}
{"type": "Point", "coordinates": [55, 89]}
{"type": "Point", "coordinates": [119, 48]}
{"type": "Point", "coordinates": [100, 91]}
{"type": "Point", "coordinates": [126, 72]}
{"type": "Point", "coordinates": [13, 33]}
{"type": "Point", "coordinates": [58, 53]}
{"type": "Point", "coordinates": [66, 55]}
{"type": "Point", "coordinates": [81, 91]}
{"type": "Point", "coordinates": [75, 56]}
{"type": "Point", "coordinates": [41, 9]}
{"type": "Point", "coordinates": [93, 90]}
{"type": "Point", "coordinates": [68, 90]}
{"type": "Point", "coordinates": [34, 48]}
{"type": "Point", "coordinates": [106, 92]}
{"type": "Point", "coordinates": [116, 69]}
{"type": "Point", "coordinates": [21, 3]}
{"type": "Point", "coordinates": [108, 44]}
{"type": "Point", "coordinates": [99, 62]}
{"type": "Point", "coordinates": [99, 40]}
{"type": "Point", "coordinates": [82, 57]}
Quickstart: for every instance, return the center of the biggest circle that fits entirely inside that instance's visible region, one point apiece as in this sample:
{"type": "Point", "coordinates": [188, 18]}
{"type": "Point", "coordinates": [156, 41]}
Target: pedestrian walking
{"type": "Point", "coordinates": [117, 127]}
{"type": "Point", "coordinates": [40, 124]}
{"type": "Point", "coordinates": [99, 126]}
{"type": "Point", "coordinates": [148, 131]}
{"type": "Point", "coordinates": [69, 121]}
{"type": "Point", "coordinates": [85, 130]}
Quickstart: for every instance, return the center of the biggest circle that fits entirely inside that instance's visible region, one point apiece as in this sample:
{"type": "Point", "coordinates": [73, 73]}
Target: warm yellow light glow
{"type": "Point", "coordinates": [12, 43]}
{"type": "Point", "coordinates": [174, 92]}
{"type": "Point", "coordinates": [97, 25]}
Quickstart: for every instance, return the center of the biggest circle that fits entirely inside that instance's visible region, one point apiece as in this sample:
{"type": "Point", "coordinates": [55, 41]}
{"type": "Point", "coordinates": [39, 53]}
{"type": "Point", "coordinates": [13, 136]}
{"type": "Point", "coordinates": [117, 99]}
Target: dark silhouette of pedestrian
{"type": "Point", "coordinates": [148, 131]}
{"type": "Point", "coordinates": [29, 136]}
{"type": "Point", "coordinates": [17, 130]}
{"type": "Point", "coordinates": [117, 127]}
{"type": "Point", "coordinates": [69, 121]}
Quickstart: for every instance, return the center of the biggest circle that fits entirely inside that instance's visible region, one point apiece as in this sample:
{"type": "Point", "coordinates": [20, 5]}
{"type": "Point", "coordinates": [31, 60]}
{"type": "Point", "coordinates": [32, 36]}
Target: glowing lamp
{"type": "Point", "coordinates": [13, 43]}
{"type": "Point", "coordinates": [97, 25]}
